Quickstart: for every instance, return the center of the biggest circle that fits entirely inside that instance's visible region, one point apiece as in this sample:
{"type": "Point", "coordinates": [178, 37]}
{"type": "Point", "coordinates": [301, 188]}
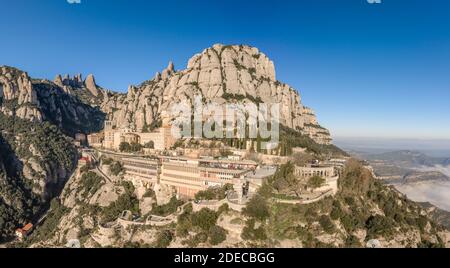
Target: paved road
{"type": "Point", "coordinates": [97, 168]}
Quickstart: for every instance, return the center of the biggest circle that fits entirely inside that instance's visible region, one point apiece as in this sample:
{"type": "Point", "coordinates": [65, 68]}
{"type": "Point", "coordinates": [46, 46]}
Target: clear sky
{"type": "Point", "coordinates": [369, 70]}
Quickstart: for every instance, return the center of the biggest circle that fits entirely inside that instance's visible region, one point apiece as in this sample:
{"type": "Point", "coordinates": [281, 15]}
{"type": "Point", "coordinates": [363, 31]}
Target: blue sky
{"type": "Point", "coordinates": [369, 70]}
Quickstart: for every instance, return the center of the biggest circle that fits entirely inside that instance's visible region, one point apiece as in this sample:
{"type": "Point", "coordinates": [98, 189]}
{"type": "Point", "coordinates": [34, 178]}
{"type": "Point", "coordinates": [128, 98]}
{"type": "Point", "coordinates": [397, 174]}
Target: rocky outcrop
{"type": "Point", "coordinates": [57, 102]}
{"type": "Point", "coordinates": [58, 81]}
{"type": "Point", "coordinates": [17, 95]}
{"type": "Point", "coordinates": [91, 85]}
{"type": "Point", "coordinates": [219, 74]}
{"type": "Point", "coordinates": [35, 161]}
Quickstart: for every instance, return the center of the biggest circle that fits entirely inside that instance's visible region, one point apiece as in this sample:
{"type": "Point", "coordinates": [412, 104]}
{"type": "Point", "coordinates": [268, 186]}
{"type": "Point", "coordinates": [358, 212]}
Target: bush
{"type": "Point", "coordinates": [116, 168]}
{"type": "Point", "coordinates": [130, 147]}
{"type": "Point", "coordinates": [91, 183]}
{"type": "Point", "coordinates": [352, 242]}
{"type": "Point", "coordinates": [150, 145]}
{"type": "Point", "coordinates": [214, 193]}
{"type": "Point", "coordinates": [378, 226]}
{"type": "Point", "coordinates": [149, 193]}
{"type": "Point", "coordinates": [163, 239]}
{"type": "Point", "coordinates": [127, 201]}
{"type": "Point", "coordinates": [250, 233]}
{"type": "Point", "coordinates": [223, 209]}
{"type": "Point", "coordinates": [205, 219]}
{"type": "Point", "coordinates": [257, 208]}
{"type": "Point", "coordinates": [326, 224]}
{"type": "Point", "coordinates": [336, 212]}
{"type": "Point", "coordinates": [201, 238]}
{"type": "Point", "coordinates": [167, 209]}
{"type": "Point", "coordinates": [217, 235]}
{"type": "Point", "coordinates": [107, 161]}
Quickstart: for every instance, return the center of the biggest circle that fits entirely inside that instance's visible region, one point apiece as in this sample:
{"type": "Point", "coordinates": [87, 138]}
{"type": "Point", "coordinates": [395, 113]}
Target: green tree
{"type": "Point", "coordinates": [150, 145]}
{"type": "Point", "coordinates": [205, 219]}
{"type": "Point", "coordinates": [217, 235]}
{"type": "Point", "coordinates": [326, 224]}
{"type": "Point", "coordinates": [257, 208]}
{"type": "Point", "coordinates": [163, 239]}
{"type": "Point", "coordinates": [124, 147]}
{"type": "Point", "coordinates": [116, 168]}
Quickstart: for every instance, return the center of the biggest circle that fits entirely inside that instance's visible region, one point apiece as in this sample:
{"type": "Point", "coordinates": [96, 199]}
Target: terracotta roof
{"type": "Point", "coordinates": [28, 227]}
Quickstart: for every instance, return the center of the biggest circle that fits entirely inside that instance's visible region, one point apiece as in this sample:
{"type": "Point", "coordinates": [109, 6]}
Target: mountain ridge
{"type": "Point", "coordinates": [219, 74]}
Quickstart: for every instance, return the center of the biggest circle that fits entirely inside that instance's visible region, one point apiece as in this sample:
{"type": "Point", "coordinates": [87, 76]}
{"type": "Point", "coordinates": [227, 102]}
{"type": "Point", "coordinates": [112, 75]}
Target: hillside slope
{"type": "Point", "coordinates": [363, 210]}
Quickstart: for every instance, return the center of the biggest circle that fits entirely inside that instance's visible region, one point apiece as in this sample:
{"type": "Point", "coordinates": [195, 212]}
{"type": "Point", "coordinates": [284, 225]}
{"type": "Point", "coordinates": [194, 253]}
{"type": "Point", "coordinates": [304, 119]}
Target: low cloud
{"type": "Point", "coordinates": [440, 168]}
{"type": "Point", "coordinates": [437, 193]}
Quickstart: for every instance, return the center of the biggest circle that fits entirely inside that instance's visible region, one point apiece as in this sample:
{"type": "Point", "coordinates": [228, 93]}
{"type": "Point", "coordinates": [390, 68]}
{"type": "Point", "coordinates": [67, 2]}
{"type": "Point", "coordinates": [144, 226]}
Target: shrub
{"type": "Point", "coordinates": [352, 242]}
{"type": "Point", "coordinates": [130, 147]}
{"type": "Point", "coordinates": [205, 219]}
{"type": "Point", "coordinates": [378, 226]}
{"type": "Point", "coordinates": [223, 209]}
{"type": "Point", "coordinates": [201, 238]}
{"type": "Point", "coordinates": [326, 224]}
{"type": "Point", "coordinates": [116, 168]}
{"type": "Point", "coordinates": [214, 193]}
{"type": "Point", "coordinates": [168, 208]}
{"type": "Point", "coordinates": [107, 161]}
{"type": "Point", "coordinates": [250, 233]}
{"type": "Point", "coordinates": [163, 239]}
{"type": "Point", "coordinates": [91, 183]}
{"type": "Point", "coordinates": [257, 208]}
{"type": "Point", "coordinates": [150, 145]}
{"type": "Point", "coordinates": [149, 193]}
{"type": "Point", "coordinates": [217, 235]}
{"type": "Point", "coordinates": [126, 201]}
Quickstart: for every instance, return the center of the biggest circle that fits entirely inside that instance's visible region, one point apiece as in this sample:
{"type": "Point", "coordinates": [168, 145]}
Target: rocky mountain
{"type": "Point", "coordinates": [36, 160]}
{"type": "Point", "coordinates": [440, 216]}
{"type": "Point", "coordinates": [42, 100]}
{"type": "Point", "coordinates": [39, 116]}
{"type": "Point", "coordinates": [37, 156]}
{"type": "Point", "coordinates": [220, 74]}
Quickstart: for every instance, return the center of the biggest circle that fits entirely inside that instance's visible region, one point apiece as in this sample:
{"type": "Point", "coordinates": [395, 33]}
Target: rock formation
{"type": "Point", "coordinates": [18, 95]}
{"type": "Point", "coordinates": [58, 80]}
{"type": "Point", "coordinates": [220, 74]}
{"type": "Point", "coordinates": [91, 85]}
{"type": "Point", "coordinates": [42, 100]}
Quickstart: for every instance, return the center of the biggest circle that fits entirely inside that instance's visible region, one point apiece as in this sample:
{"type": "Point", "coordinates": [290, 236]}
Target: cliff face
{"type": "Point", "coordinates": [35, 161]}
{"type": "Point", "coordinates": [36, 156]}
{"type": "Point", "coordinates": [58, 102]}
{"type": "Point", "coordinates": [219, 74]}
{"type": "Point", "coordinates": [17, 95]}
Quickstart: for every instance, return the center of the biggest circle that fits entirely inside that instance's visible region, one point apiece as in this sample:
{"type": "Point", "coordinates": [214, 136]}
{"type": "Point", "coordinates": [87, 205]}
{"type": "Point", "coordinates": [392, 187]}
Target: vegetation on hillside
{"type": "Point", "coordinates": [23, 197]}
{"type": "Point", "coordinates": [361, 205]}
{"type": "Point", "coordinates": [214, 193]}
{"type": "Point", "coordinates": [130, 147]}
{"type": "Point", "coordinates": [73, 116]}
